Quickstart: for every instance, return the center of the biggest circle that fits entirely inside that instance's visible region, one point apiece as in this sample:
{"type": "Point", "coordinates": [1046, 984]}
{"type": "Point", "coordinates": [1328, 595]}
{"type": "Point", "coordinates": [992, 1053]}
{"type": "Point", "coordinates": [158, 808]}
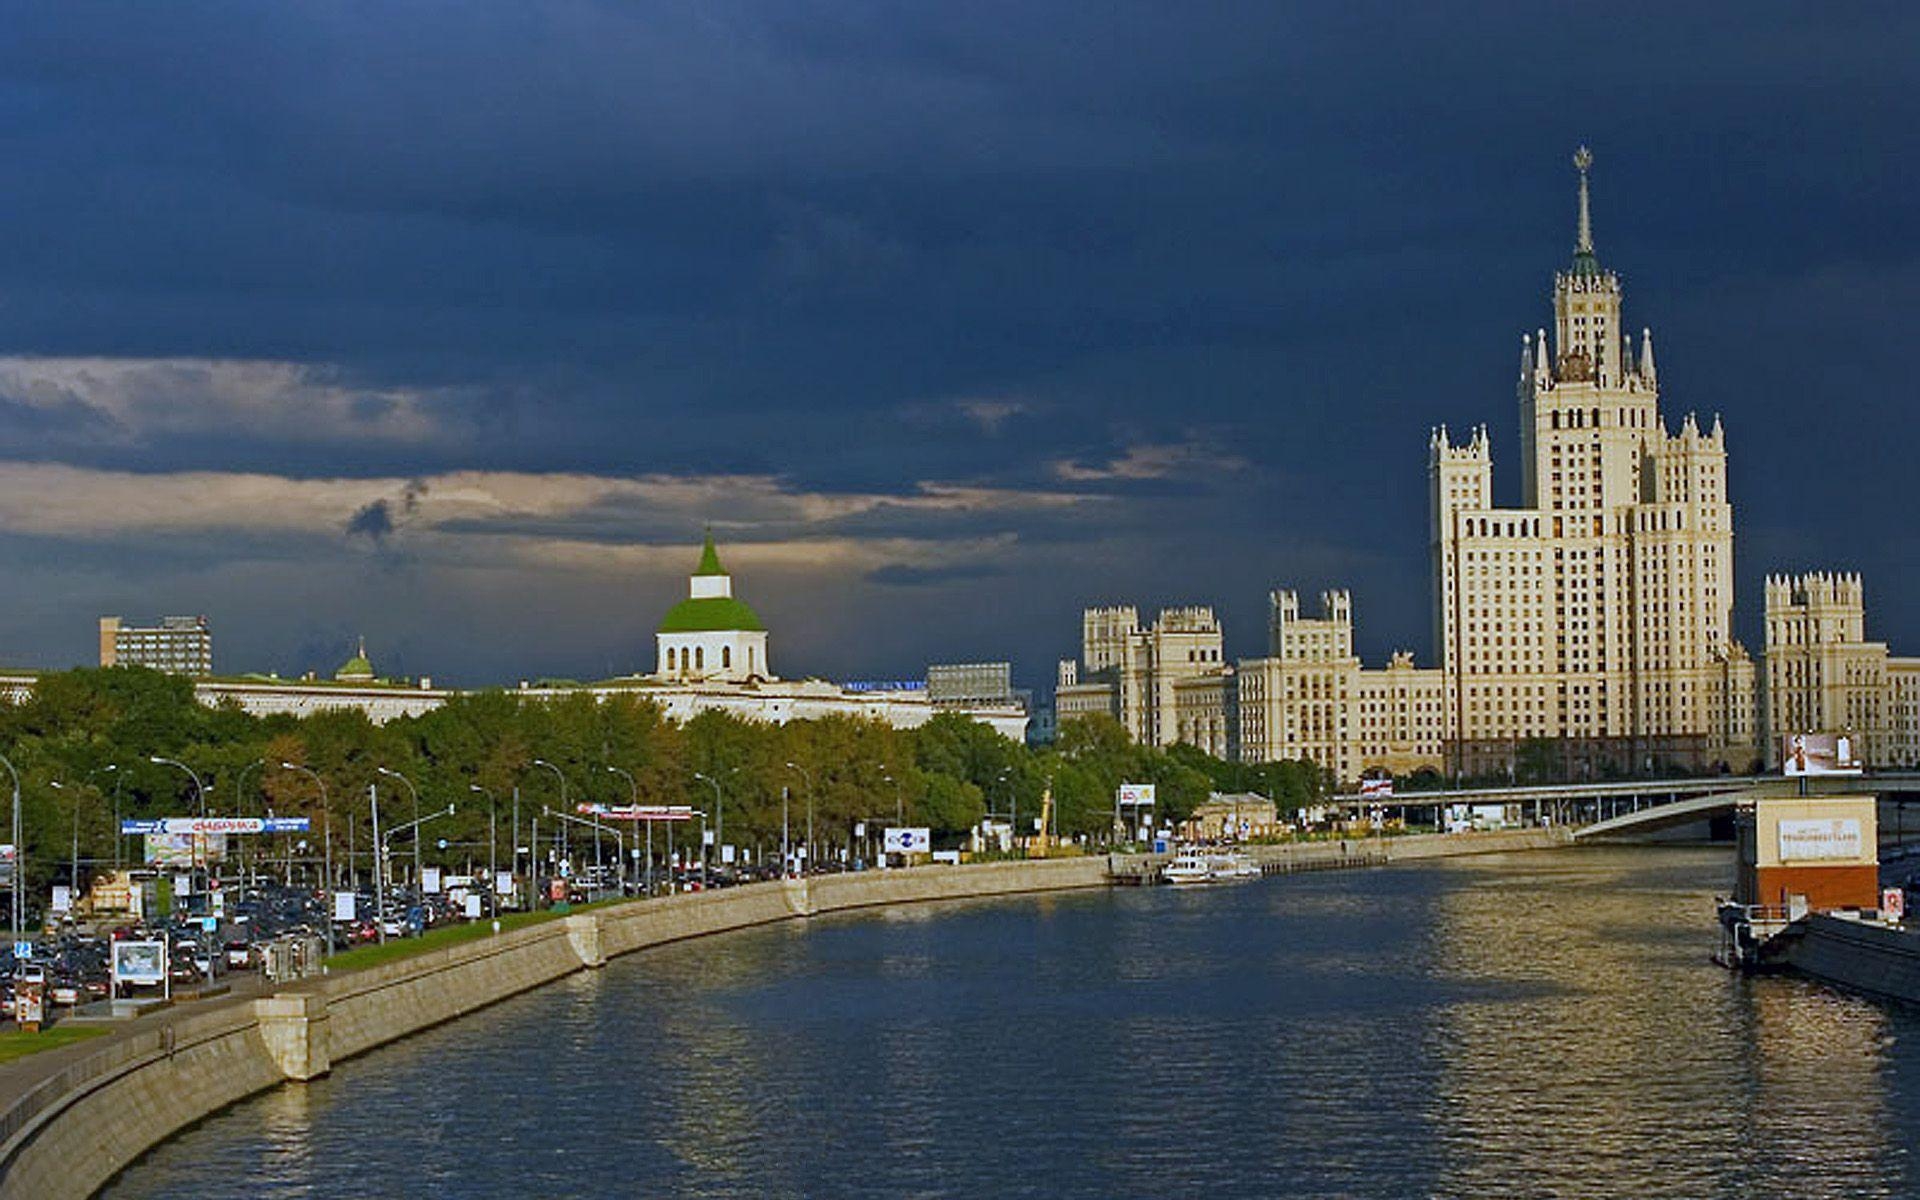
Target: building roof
{"type": "Point", "coordinates": [358, 667]}
{"type": "Point", "coordinates": [710, 559]}
{"type": "Point", "coordinates": [711, 614]}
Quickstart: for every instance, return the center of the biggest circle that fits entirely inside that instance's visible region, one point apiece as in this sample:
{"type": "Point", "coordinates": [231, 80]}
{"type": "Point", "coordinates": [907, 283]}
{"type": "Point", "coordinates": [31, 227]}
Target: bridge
{"type": "Point", "coordinates": [1602, 810]}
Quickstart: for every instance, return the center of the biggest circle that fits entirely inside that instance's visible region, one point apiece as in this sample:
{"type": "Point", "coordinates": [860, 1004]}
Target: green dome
{"type": "Point", "coordinates": [357, 667]}
{"type": "Point", "coordinates": [711, 614]}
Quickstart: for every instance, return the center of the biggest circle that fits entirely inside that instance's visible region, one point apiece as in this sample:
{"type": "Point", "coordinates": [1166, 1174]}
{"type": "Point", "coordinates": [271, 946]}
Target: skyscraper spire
{"type": "Point", "coordinates": [1584, 262]}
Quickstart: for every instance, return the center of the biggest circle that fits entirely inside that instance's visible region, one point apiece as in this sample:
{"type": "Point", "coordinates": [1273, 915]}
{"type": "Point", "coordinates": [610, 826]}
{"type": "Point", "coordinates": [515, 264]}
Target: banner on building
{"type": "Point", "coordinates": [1818, 754]}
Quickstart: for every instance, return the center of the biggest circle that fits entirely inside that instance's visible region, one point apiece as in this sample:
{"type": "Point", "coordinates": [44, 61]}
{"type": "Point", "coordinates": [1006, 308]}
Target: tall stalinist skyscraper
{"type": "Point", "coordinates": [1599, 611]}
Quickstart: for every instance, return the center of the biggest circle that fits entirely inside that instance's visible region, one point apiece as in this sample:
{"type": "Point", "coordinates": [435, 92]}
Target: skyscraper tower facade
{"type": "Point", "coordinates": [1598, 613]}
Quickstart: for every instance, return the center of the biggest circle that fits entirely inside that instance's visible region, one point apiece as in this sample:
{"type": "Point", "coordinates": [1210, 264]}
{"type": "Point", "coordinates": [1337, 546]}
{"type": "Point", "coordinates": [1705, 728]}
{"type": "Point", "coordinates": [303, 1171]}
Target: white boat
{"type": "Point", "coordinates": [1190, 867]}
{"type": "Point", "coordinates": [1233, 867]}
{"type": "Point", "coordinates": [1187, 868]}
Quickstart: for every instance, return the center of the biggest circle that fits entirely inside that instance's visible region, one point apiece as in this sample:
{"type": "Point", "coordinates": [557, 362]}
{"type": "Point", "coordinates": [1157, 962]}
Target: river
{"type": "Point", "coordinates": [1516, 1025]}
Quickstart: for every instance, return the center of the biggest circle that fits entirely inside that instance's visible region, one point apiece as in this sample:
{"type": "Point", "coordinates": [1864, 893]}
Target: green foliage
{"type": "Point", "coordinates": [478, 752]}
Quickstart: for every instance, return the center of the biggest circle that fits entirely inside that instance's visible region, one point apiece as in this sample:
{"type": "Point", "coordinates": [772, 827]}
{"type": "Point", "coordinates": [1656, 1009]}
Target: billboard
{"type": "Point", "coordinates": [1376, 787]}
{"type": "Point", "coordinates": [1803, 754]}
{"type": "Point", "coordinates": [139, 962]}
{"type": "Point", "coordinates": [184, 849]}
{"type": "Point", "coordinates": [1136, 795]}
{"type": "Point", "coordinates": [1820, 838]}
{"type": "Point", "coordinates": [215, 826]}
{"type": "Point", "coordinates": [908, 841]}
{"type": "Point", "coordinates": [637, 812]}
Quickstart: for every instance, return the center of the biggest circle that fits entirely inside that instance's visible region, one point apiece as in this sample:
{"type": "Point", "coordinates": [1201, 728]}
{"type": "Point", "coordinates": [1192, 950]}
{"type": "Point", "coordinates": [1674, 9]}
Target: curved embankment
{"type": "Point", "coordinates": [79, 1127]}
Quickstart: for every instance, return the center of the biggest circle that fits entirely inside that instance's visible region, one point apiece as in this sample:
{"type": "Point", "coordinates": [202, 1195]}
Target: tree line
{"type": "Point", "coordinates": [96, 732]}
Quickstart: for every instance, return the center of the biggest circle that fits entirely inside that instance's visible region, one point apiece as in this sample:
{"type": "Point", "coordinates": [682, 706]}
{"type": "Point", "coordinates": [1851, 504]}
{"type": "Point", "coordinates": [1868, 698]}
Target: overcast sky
{"type": "Point", "coordinates": [453, 324]}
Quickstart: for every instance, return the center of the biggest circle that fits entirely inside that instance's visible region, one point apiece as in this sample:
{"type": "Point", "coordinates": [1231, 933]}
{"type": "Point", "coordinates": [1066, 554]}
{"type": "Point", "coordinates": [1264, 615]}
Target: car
{"type": "Point", "coordinates": [240, 955]}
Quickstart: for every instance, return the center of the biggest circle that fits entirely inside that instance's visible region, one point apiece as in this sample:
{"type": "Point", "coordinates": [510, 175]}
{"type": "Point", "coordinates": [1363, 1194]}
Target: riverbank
{"type": "Point", "coordinates": [87, 1118]}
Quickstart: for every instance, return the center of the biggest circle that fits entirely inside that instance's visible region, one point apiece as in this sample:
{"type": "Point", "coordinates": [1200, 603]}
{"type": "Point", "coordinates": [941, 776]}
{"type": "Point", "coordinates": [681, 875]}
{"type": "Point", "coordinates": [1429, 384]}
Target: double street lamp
{"type": "Point", "coordinates": [415, 792]}
{"type": "Point", "coordinates": [19, 857]}
{"type": "Point", "coordinates": [199, 794]}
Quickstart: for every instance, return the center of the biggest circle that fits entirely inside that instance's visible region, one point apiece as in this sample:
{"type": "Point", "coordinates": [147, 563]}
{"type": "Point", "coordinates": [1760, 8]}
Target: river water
{"type": "Point", "coordinates": [1516, 1025]}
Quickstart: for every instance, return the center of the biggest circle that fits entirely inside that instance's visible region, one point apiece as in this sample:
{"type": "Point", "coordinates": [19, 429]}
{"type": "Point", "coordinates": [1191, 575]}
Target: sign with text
{"type": "Point", "coordinates": [215, 826]}
{"type": "Point", "coordinates": [1376, 787]}
{"type": "Point", "coordinates": [1818, 754]}
{"type": "Point", "coordinates": [1804, 840]}
{"type": "Point", "coordinates": [6, 862]}
{"type": "Point", "coordinates": [637, 812]}
{"type": "Point", "coordinates": [1893, 903]}
{"type": "Point", "coordinates": [1136, 795]}
{"type": "Point", "coordinates": [909, 841]}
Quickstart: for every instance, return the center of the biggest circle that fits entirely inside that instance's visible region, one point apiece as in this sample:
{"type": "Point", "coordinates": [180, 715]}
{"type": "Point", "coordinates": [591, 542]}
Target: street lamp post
{"type": "Point", "coordinates": [400, 829]}
{"type": "Point", "coordinates": [719, 806]}
{"type": "Point", "coordinates": [391, 774]}
{"type": "Point", "coordinates": [808, 776]}
{"type": "Point", "coordinates": [326, 838]}
{"type": "Point", "coordinates": [240, 810]}
{"type": "Point", "coordinates": [73, 866]}
{"type": "Point", "coordinates": [562, 777]}
{"type": "Point", "coordinates": [19, 856]}
{"type": "Point", "coordinates": [633, 793]}
{"type": "Point", "coordinates": [199, 792]}
{"type": "Point", "coordinates": [379, 866]}
{"type": "Point", "coordinates": [493, 846]}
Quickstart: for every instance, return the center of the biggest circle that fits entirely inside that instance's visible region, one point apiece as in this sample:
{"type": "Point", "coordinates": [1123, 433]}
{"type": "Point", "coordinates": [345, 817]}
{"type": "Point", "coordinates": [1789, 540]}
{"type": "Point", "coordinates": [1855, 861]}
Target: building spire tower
{"type": "Point", "coordinates": [1598, 611]}
{"type": "Point", "coordinates": [1582, 162]}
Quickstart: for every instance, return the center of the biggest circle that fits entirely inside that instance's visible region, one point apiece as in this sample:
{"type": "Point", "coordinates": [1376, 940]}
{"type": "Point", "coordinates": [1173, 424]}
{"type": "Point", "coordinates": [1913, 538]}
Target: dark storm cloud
{"type": "Point", "coordinates": [859, 246]}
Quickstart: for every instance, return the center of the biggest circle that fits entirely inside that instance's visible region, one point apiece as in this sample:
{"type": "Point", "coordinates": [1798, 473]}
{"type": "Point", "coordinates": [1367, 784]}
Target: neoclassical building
{"type": "Point", "coordinates": [1824, 676]}
{"type": "Point", "coordinates": [711, 635]}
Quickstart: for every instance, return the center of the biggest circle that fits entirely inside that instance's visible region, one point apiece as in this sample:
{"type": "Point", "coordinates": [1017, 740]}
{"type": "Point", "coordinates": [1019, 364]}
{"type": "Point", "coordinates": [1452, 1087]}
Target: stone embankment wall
{"type": "Point", "coordinates": [81, 1126]}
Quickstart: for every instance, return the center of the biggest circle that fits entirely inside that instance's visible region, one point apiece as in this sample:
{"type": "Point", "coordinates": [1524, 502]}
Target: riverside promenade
{"type": "Point", "coordinates": [71, 1119]}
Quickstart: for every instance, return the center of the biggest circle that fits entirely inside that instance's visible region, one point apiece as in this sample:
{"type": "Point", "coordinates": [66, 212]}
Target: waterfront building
{"type": "Point", "coordinates": [177, 645]}
{"type": "Point", "coordinates": [1824, 676]}
{"type": "Point", "coordinates": [1164, 683]}
{"type": "Point", "coordinates": [1599, 612]}
{"type": "Point", "coordinates": [1309, 698]}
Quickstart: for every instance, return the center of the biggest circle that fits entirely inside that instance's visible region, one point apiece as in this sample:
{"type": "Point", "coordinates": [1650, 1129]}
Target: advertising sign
{"type": "Point", "coordinates": [1136, 795]}
{"type": "Point", "coordinates": [1376, 787]}
{"type": "Point", "coordinates": [6, 861]}
{"type": "Point", "coordinates": [1816, 838]}
{"type": "Point", "coordinates": [1818, 754]}
{"type": "Point", "coordinates": [30, 1001]}
{"type": "Point", "coordinates": [1893, 904]}
{"type": "Point", "coordinates": [139, 962]}
{"type": "Point", "coordinates": [184, 849]}
{"type": "Point", "coordinates": [637, 812]}
{"type": "Point", "coordinates": [908, 841]}
{"type": "Point", "coordinates": [62, 898]}
{"type": "Point", "coordinates": [215, 826]}
{"type": "Point", "coordinates": [726, 853]}
{"type": "Point", "coordinates": [430, 879]}
{"type": "Point", "coordinates": [345, 906]}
